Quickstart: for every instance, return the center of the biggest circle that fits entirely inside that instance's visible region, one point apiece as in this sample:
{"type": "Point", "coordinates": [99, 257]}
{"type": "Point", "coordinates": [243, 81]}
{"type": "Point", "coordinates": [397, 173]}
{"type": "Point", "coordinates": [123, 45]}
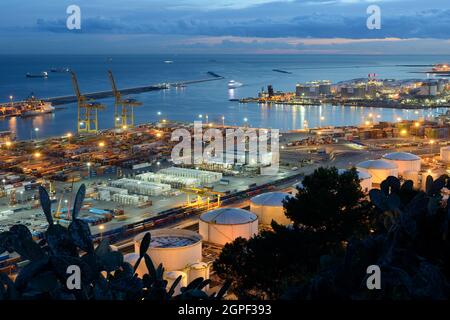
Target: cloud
{"type": "Point", "coordinates": [315, 25]}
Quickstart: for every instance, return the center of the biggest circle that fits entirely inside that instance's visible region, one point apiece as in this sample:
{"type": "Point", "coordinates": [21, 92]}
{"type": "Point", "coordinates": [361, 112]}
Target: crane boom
{"type": "Point", "coordinates": [76, 87]}
{"type": "Point", "coordinates": [114, 87]}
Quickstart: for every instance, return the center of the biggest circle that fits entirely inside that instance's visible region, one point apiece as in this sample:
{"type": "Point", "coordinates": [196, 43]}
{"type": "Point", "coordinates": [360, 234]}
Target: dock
{"type": "Point", "coordinates": [61, 100]}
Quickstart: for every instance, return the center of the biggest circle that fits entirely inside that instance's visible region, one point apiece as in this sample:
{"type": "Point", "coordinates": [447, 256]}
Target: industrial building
{"type": "Point", "coordinates": [174, 182]}
{"type": "Point", "coordinates": [378, 169]}
{"type": "Point", "coordinates": [269, 206]}
{"type": "Point", "coordinates": [405, 162]}
{"type": "Point", "coordinates": [205, 177]}
{"type": "Point", "coordinates": [141, 187]}
{"type": "Point", "coordinates": [224, 225]}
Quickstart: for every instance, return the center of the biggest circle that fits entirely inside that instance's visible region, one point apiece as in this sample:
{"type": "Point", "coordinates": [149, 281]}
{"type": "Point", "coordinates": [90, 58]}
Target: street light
{"type": "Point", "coordinates": [101, 227]}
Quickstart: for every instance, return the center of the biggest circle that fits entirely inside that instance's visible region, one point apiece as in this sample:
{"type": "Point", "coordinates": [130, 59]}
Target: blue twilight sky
{"type": "Point", "coordinates": [225, 26]}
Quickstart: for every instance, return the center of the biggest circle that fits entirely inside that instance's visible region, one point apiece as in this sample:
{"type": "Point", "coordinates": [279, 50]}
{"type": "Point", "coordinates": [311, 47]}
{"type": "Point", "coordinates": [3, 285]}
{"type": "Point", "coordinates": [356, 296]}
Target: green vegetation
{"type": "Point", "coordinates": [337, 234]}
{"type": "Point", "coordinates": [104, 274]}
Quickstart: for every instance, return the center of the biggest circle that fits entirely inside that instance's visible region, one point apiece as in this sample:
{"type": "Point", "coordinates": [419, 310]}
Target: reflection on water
{"type": "Point", "coordinates": [283, 117]}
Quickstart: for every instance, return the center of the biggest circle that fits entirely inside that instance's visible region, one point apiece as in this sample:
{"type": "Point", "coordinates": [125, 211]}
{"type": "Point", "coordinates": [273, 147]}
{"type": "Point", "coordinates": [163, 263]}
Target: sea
{"type": "Point", "coordinates": [211, 99]}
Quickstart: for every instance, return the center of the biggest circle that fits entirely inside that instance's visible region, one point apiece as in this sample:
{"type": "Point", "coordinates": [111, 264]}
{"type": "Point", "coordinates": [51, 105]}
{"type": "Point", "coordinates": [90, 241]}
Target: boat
{"type": "Point", "coordinates": [37, 109]}
{"type": "Point", "coordinates": [43, 74]}
{"type": "Point", "coordinates": [234, 84]}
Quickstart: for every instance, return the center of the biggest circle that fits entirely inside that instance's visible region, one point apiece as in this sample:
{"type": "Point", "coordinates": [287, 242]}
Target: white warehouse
{"type": "Point", "coordinates": [269, 206]}
{"type": "Point", "coordinates": [224, 225]}
{"type": "Point", "coordinates": [406, 162]}
{"type": "Point", "coordinates": [205, 177]}
{"type": "Point", "coordinates": [378, 169]}
{"type": "Point", "coordinates": [142, 187]}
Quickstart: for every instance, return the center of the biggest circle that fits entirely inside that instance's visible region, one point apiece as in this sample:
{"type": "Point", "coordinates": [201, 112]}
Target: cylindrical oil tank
{"type": "Point", "coordinates": [413, 176]}
{"type": "Point", "coordinates": [198, 270]}
{"type": "Point", "coordinates": [378, 169]}
{"type": "Point", "coordinates": [405, 161]}
{"type": "Point", "coordinates": [365, 179]}
{"type": "Point", "coordinates": [174, 248]}
{"type": "Point", "coordinates": [269, 206]}
{"type": "Point", "coordinates": [224, 225]}
{"type": "Point", "coordinates": [171, 276]}
{"type": "Point", "coordinates": [445, 154]}
{"type": "Point", "coordinates": [132, 258]}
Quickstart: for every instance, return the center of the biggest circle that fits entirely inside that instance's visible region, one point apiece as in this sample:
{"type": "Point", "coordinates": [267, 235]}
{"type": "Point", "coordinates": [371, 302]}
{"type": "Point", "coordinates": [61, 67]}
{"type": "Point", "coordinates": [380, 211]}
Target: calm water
{"type": "Point", "coordinates": [211, 98]}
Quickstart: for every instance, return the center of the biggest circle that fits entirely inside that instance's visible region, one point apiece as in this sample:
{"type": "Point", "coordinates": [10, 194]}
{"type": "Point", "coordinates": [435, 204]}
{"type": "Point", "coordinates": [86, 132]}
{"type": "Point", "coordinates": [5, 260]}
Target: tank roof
{"type": "Point", "coordinates": [270, 199]}
{"type": "Point", "coordinates": [403, 156]}
{"type": "Point", "coordinates": [228, 216]}
{"type": "Point", "coordinates": [376, 164]}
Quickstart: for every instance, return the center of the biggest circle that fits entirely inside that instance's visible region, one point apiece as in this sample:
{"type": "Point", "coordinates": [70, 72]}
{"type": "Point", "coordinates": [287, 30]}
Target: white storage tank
{"type": "Point", "coordinates": [378, 169]}
{"type": "Point", "coordinates": [405, 161]}
{"type": "Point", "coordinates": [365, 179]}
{"type": "Point", "coordinates": [171, 276]}
{"type": "Point", "coordinates": [198, 270]}
{"type": "Point", "coordinates": [132, 258]}
{"type": "Point", "coordinates": [174, 248]}
{"type": "Point", "coordinates": [224, 225]}
{"type": "Point", "coordinates": [445, 154]}
{"type": "Point", "coordinates": [413, 176]}
{"type": "Point", "coordinates": [269, 206]}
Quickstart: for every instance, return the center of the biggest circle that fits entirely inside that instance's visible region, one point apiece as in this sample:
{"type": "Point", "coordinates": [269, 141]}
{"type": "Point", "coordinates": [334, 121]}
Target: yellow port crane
{"type": "Point", "coordinates": [87, 111]}
{"type": "Point", "coordinates": [200, 193]}
{"type": "Point", "coordinates": [123, 118]}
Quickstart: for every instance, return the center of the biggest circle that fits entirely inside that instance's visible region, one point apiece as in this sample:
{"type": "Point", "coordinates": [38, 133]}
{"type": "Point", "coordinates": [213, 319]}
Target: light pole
{"type": "Point", "coordinates": [101, 227]}
{"type": "Point", "coordinates": [89, 169]}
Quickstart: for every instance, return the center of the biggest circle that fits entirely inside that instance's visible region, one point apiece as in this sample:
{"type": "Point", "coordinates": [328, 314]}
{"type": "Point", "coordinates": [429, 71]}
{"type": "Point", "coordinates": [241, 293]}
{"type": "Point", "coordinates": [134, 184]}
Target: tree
{"type": "Point", "coordinates": [328, 211]}
{"type": "Point", "coordinates": [411, 248]}
{"type": "Point", "coordinates": [265, 265]}
{"type": "Point", "coordinates": [333, 204]}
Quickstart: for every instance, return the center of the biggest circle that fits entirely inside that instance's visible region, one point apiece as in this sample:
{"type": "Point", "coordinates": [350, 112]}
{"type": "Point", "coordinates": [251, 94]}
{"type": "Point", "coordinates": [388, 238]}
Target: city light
{"type": "Point", "coordinates": [159, 135]}
{"type": "Point", "coordinates": [88, 164]}
{"type": "Point", "coordinates": [159, 113]}
{"type": "Point", "coordinates": [69, 135]}
{"type": "Point", "coordinates": [101, 144]}
{"type": "Point", "coordinates": [37, 154]}
{"type": "Point", "coordinates": [8, 143]}
{"type": "Point", "coordinates": [403, 132]}
{"type": "Point", "coordinates": [417, 124]}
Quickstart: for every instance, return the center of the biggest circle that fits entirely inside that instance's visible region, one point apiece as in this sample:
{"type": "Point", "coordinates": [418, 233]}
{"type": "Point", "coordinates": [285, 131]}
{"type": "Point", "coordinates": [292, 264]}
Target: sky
{"type": "Point", "coordinates": [225, 26]}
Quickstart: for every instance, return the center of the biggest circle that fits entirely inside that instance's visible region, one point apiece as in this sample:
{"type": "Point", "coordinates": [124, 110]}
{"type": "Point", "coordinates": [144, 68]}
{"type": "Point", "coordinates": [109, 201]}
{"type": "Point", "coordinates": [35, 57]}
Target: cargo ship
{"type": "Point", "coordinates": [43, 74]}
{"type": "Point", "coordinates": [28, 108]}
{"type": "Point", "coordinates": [38, 109]}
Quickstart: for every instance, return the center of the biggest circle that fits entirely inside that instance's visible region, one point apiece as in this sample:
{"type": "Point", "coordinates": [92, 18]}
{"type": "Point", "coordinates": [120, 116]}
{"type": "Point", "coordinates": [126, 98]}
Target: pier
{"type": "Point", "coordinates": [61, 100]}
